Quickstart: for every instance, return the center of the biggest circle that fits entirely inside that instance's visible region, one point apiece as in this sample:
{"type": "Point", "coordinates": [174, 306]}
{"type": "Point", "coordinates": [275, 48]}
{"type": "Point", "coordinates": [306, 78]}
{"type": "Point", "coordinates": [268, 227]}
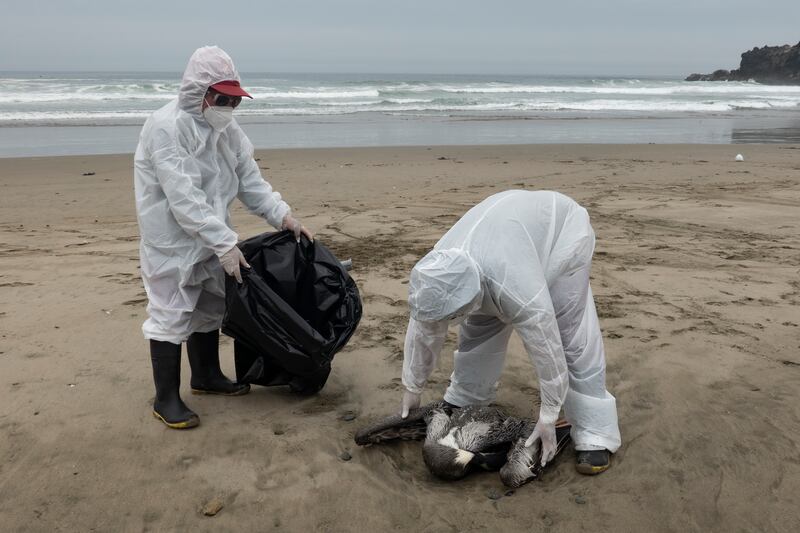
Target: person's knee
{"type": "Point", "coordinates": [473, 390]}
{"type": "Point", "coordinates": [591, 383]}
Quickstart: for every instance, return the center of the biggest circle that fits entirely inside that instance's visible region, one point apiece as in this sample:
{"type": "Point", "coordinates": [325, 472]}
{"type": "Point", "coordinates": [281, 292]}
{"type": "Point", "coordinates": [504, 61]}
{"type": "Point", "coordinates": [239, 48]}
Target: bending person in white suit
{"type": "Point", "coordinates": [518, 261]}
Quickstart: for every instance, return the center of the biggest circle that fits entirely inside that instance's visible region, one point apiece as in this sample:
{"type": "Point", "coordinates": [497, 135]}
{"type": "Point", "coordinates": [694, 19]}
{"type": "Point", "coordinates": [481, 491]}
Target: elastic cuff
{"type": "Point", "coordinates": [588, 447]}
{"type": "Point", "coordinates": [173, 339]}
{"type": "Point", "coordinates": [221, 253]}
{"type": "Point", "coordinates": [413, 389]}
{"type": "Point", "coordinates": [548, 414]}
{"type": "Point", "coordinates": [281, 217]}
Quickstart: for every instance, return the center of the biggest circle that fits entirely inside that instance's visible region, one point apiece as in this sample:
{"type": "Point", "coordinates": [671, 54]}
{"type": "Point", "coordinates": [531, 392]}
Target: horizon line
{"type": "Point", "coordinates": [351, 72]}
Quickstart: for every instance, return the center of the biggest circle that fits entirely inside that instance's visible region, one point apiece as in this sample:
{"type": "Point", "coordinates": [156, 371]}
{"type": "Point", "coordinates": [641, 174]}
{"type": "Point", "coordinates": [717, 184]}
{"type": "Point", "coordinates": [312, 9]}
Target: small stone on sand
{"type": "Point", "coordinates": [213, 507]}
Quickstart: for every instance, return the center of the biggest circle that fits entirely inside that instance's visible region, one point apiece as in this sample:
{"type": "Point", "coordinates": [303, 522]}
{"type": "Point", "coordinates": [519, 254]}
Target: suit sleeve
{"type": "Point", "coordinates": [423, 343]}
{"type": "Point", "coordinates": [533, 318]}
{"type": "Point", "coordinates": [255, 192]}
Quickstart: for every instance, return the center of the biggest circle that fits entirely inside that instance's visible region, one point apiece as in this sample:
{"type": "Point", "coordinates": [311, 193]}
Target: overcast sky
{"type": "Point", "coordinates": [602, 37]}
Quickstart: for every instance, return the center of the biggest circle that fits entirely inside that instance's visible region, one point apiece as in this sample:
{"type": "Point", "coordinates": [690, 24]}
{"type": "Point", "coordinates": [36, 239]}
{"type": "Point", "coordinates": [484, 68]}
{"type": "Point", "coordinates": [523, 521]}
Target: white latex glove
{"type": "Point", "coordinates": [231, 260]}
{"type": "Point", "coordinates": [546, 432]}
{"type": "Point", "coordinates": [410, 401]}
{"type": "Point", "coordinates": [291, 223]}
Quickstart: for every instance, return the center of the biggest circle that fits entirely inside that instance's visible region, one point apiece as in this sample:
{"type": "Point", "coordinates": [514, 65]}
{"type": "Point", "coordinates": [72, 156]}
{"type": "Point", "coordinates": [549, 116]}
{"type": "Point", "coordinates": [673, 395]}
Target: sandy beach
{"type": "Point", "coordinates": [696, 279]}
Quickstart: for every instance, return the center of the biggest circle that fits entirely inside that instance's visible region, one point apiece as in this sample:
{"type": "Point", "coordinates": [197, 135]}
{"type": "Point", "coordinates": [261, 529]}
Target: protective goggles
{"type": "Point", "coordinates": [224, 100]}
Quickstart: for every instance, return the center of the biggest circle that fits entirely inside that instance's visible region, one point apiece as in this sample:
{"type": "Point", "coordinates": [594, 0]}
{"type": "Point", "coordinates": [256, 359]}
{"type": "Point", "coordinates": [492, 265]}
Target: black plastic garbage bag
{"type": "Point", "coordinates": [296, 307]}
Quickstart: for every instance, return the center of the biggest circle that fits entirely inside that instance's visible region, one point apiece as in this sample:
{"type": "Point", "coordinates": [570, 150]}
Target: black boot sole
{"type": "Point", "coordinates": [590, 470]}
{"type": "Point", "coordinates": [240, 392]}
{"type": "Point", "coordinates": [183, 424]}
{"type": "Point", "coordinates": [591, 463]}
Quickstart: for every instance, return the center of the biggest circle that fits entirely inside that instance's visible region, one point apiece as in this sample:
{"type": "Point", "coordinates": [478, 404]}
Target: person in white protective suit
{"type": "Point", "coordinates": [192, 160]}
{"type": "Point", "coordinates": [517, 261]}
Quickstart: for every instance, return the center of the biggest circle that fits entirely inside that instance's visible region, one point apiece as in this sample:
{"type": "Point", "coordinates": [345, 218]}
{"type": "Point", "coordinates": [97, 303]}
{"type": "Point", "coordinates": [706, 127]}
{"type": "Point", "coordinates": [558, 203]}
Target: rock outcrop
{"type": "Point", "coordinates": [778, 65]}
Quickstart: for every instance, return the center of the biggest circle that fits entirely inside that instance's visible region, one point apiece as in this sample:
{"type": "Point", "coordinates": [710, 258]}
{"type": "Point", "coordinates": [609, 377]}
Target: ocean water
{"type": "Point", "coordinates": [62, 113]}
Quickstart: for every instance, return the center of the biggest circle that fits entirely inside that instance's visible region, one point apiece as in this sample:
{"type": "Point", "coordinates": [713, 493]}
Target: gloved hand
{"type": "Point", "coordinates": [231, 260]}
{"type": "Point", "coordinates": [410, 401]}
{"type": "Point", "coordinates": [291, 223]}
{"type": "Point", "coordinates": [546, 432]}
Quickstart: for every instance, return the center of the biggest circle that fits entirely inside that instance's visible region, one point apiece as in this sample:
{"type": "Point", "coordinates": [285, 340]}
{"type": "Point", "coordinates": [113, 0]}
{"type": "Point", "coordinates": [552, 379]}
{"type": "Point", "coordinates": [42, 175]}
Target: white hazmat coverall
{"type": "Point", "coordinates": [520, 261]}
{"type": "Point", "coordinates": [186, 175]}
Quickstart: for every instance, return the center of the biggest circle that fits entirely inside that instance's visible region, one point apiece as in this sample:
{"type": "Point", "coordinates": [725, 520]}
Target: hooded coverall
{"type": "Point", "coordinates": [186, 175]}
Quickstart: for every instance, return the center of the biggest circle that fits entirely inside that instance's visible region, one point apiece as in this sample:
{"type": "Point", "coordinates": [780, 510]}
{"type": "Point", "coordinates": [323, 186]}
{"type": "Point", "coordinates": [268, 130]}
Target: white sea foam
{"type": "Point", "coordinates": [652, 91]}
{"type": "Point", "coordinates": [312, 95]}
{"type": "Point", "coordinates": [37, 98]}
{"type": "Point", "coordinates": [63, 99]}
{"type": "Point", "coordinates": [408, 100]}
{"type": "Point", "coordinates": [66, 118]}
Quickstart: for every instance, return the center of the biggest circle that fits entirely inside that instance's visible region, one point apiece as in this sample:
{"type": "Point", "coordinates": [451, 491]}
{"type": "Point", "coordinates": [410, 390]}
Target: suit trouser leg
{"type": "Point", "coordinates": [478, 362]}
{"type": "Point", "coordinates": [589, 406]}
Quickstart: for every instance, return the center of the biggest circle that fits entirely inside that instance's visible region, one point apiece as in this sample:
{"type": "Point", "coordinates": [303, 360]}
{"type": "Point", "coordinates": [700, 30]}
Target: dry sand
{"type": "Point", "coordinates": [697, 286]}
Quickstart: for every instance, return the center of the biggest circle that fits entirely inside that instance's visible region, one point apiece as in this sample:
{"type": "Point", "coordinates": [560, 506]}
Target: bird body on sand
{"type": "Point", "coordinates": [460, 440]}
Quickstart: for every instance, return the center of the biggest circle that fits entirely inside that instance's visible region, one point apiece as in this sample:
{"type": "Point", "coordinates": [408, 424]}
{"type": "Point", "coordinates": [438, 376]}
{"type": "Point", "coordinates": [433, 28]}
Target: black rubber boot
{"type": "Point", "coordinates": [168, 406]}
{"type": "Point", "coordinates": [592, 462]}
{"type": "Point", "coordinates": [207, 377]}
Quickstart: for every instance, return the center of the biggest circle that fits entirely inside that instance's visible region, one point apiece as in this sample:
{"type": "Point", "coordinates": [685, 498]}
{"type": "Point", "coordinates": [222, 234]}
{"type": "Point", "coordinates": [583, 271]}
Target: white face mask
{"type": "Point", "coordinates": [219, 117]}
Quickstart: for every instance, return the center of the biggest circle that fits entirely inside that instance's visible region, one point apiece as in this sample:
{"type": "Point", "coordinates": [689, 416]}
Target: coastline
{"type": "Point", "coordinates": [377, 130]}
{"type": "Point", "coordinates": [695, 281]}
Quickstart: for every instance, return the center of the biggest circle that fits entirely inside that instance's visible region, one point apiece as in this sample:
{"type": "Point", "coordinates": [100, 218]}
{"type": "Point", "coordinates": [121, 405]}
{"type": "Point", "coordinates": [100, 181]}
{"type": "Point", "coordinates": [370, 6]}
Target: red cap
{"type": "Point", "coordinates": [230, 88]}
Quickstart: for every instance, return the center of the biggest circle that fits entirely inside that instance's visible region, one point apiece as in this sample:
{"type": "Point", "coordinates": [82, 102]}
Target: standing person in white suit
{"type": "Point", "coordinates": [517, 261]}
{"type": "Point", "coordinates": [192, 160]}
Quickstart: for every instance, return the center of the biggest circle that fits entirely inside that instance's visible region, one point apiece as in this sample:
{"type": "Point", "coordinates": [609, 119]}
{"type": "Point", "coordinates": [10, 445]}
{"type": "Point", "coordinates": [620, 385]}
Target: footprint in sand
{"type": "Point", "coordinates": [123, 278]}
{"type": "Point", "coordinates": [395, 385]}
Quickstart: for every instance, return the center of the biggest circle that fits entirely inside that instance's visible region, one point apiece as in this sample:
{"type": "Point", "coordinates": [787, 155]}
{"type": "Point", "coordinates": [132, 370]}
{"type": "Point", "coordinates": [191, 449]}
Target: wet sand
{"type": "Point", "coordinates": [696, 283]}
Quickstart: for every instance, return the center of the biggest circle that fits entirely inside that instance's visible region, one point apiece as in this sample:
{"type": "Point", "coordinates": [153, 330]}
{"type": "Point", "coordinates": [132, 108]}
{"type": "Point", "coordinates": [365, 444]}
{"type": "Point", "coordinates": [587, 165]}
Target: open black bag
{"type": "Point", "coordinates": [296, 307]}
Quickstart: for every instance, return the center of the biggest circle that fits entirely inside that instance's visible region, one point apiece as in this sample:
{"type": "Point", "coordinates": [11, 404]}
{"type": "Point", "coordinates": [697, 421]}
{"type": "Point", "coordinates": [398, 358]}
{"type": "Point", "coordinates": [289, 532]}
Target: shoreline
{"type": "Point", "coordinates": [378, 130]}
{"type": "Point", "coordinates": [596, 149]}
{"type": "Point", "coordinates": [694, 279]}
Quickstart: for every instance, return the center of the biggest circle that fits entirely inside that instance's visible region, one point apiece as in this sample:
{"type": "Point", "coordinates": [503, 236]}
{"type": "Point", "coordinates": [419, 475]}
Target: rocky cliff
{"type": "Point", "coordinates": [770, 64]}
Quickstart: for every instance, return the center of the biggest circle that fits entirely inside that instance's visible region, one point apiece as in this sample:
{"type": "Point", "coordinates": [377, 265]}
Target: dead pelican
{"type": "Point", "coordinates": [459, 440]}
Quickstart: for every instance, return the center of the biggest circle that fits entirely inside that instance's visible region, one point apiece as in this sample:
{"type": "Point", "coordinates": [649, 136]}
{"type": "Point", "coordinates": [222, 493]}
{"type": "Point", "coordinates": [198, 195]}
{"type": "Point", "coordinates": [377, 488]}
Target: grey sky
{"type": "Point", "coordinates": [446, 36]}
